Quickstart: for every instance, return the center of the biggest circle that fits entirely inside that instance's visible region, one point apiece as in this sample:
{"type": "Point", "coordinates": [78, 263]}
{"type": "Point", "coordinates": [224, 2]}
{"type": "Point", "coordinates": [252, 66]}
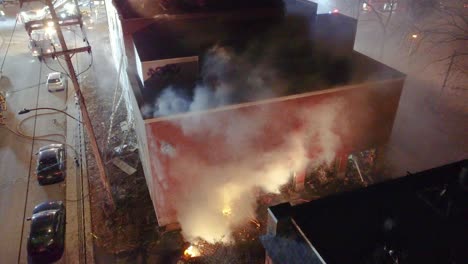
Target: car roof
{"type": "Point", "coordinates": [47, 154]}
{"type": "Point", "coordinates": [43, 219]}
{"type": "Point", "coordinates": [45, 214]}
{"type": "Point", "coordinates": [47, 206]}
{"type": "Point", "coordinates": [54, 75]}
{"type": "Point", "coordinates": [51, 146]}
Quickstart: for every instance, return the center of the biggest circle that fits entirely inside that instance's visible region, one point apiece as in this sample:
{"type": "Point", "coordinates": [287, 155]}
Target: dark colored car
{"type": "Point", "coordinates": [51, 164]}
{"type": "Point", "coordinates": [46, 239]}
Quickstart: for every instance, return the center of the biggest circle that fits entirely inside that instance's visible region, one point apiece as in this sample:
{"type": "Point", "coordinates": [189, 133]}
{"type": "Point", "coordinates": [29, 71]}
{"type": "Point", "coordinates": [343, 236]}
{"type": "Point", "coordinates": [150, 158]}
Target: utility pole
{"type": "Point", "coordinates": [84, 111]}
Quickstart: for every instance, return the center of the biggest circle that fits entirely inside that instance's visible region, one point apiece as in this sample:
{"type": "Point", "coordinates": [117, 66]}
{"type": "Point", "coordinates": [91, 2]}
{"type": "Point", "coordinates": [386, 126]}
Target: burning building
{"type": "Point", "coordinates": [232, 102]}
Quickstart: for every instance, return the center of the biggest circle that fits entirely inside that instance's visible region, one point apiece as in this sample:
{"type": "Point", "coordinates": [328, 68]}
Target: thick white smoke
{"type": "Point", "coordinates": [230, 183]}
{"type": "Point", "coordinates": [206, 189]}
{"type": "Point", "coordinates": [227, 79]}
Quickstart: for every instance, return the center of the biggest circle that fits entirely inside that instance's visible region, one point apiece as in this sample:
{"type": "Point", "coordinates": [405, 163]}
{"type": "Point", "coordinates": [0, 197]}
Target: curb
{"type": "Point", "coordinates": [78, 246]}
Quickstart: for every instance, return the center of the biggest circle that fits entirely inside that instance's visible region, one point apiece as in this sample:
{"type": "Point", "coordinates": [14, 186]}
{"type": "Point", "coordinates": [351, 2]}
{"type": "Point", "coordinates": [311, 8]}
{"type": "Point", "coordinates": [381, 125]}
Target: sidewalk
{"type": "Point", "coordinates": [78, 245]}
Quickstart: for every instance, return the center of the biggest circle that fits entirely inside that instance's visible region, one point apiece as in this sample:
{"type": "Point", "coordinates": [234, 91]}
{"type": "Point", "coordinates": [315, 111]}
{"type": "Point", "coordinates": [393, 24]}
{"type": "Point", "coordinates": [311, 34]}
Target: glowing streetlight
{"type": "Point", "coordinates": [50, 30]}
{"type": "Point", "coordinates": [410, 50]}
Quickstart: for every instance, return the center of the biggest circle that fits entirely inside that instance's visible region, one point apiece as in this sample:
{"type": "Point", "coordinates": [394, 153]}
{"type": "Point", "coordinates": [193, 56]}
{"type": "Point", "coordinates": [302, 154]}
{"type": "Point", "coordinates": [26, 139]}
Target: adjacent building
{"type": "Point", "coordinates": [419, 218]}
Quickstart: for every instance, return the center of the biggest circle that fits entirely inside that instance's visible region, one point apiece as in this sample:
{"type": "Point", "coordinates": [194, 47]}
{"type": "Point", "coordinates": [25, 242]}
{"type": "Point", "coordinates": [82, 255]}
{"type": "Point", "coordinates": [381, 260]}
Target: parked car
{"type": "Point", "coordinates": [56, 81]}
{"type": "Point", "coordinates": [46, 240]}
{"type": "Point", "coordinates": [51, 164]}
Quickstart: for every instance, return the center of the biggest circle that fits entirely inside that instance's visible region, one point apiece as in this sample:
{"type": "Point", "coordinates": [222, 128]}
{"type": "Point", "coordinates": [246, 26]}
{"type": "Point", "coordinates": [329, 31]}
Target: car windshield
{"type": "Point", "coordinates": [42, 228]}
{"type": "Point", "coordinates": [47, 159]}
{"type": "Point", "coordinates": [57, 80]}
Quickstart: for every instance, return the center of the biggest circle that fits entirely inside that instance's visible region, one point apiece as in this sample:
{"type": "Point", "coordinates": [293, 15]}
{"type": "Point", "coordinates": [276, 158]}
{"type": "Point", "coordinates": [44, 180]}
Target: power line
{"type": "Point", "coordinates": [30, 164]}
{"type": "Point", "coordinates": [54, 70]}
{"type": "Point", "coordinates": [89, 66]}
{"type": "Point", "coordinates": [63, 68]}
{"type": "Point", "coordinates": [90, 53]}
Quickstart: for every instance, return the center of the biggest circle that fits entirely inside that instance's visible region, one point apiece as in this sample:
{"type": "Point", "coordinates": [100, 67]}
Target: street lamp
{"type": "Point", "coordinates": [25, 110]}
{"type": "Point", "coordinates": [410, 50]}
{"type": "Point", "coordinates": [413, 39]}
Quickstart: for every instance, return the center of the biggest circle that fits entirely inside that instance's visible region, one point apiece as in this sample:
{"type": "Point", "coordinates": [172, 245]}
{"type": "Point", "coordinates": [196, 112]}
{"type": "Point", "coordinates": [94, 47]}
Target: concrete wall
{"type": "Point", "coordinates": [364, 121]}
{"type": "Point", "coordinates": [115, 33]}
{"type": "Point", "coordinates": [120, 56]}
{"type": "Point", "coordinates": [302, 8]}
{"type": "Point", "coordinates": [335, 33]}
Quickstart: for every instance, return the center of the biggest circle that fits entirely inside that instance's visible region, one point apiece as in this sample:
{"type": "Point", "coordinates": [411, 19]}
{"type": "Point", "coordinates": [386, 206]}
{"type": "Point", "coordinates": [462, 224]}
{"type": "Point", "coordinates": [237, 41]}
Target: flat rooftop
{"type": "Point", "coordinates": [261, 58]}
{"type": "Point", "coordinates": [266, 58]}
{"type": "Point", "coordinates": [174, 39]}
{"type": "Point", "coordinates": [154, 8]}
{"type": "Point", "coordinates": [422, 217]}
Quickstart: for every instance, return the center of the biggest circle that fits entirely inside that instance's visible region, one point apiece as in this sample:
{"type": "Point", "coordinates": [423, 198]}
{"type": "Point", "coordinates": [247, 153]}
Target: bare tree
{"type": "Point", "coordinates": [428, 23]}
{"type": "Point", "coordinates": [443, 24]}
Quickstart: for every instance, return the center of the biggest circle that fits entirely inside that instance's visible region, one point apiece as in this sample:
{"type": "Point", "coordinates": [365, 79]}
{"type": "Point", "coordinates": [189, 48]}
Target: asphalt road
{"type": "Point", "coordinates": [24, 85]}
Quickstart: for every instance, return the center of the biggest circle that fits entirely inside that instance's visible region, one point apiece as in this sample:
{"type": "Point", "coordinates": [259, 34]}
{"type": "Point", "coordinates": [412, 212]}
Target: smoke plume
{"type": "Point", "coordinates": [223, 177]}
{"type": "Point", "coordinates": [243, 165]}
{"type": "Point", "coordinates": [227, 79]}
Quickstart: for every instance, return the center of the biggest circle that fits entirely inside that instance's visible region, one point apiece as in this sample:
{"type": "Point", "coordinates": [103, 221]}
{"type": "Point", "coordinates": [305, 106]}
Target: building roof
{"type": "Point", "coordinates": [409, 215]}
{"type": "Point", "coordinates": [175, 39]}
{"type": "Point", "coordinates": [156, 8]}
{"type": "Point", "coordinates": [287, 50]}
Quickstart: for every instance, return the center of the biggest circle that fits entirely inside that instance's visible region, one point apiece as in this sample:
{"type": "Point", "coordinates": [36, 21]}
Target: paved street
{"type": "Point", "coordinates": [20, 191]}
{"type": "Point", "coordinates": [23, 83]}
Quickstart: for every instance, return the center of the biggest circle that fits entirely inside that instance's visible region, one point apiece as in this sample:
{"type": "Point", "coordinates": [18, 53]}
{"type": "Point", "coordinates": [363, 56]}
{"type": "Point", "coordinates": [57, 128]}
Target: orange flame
{"type": "Point", "coordinates": [191, 252]}
{"type": "Point", "coordinates": [227, 211]}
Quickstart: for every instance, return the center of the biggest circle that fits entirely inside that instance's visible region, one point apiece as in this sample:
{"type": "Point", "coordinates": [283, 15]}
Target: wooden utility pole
{"type": "Point", "coordinates": [84, 111]}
